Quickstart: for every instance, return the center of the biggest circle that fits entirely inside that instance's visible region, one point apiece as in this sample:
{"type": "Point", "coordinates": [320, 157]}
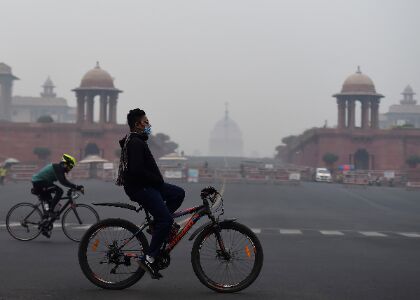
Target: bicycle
{"type": "Point", "coordinates": [226, 256]}
{"type": "Point", "coordinates": [26, 221]}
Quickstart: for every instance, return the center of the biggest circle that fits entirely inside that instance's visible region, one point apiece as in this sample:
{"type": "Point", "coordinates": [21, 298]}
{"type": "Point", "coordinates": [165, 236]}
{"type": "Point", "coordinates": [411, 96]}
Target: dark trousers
{"type": "Point", "coordinates": [44, 190]}
{"type": "Point", "coordinates": [161, 204]}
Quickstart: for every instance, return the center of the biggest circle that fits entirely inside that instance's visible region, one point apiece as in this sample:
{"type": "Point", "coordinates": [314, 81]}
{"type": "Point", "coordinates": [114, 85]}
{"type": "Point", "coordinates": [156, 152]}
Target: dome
{"type": "Point", "coordinates": [358, 83]}
{"type": "Point", "coordinates": [408, 90]}
{"type": "Point", "coordinates": [226, 138]}
{"type": "Point", "coordinates": [48, 82]}
{"type": "Point", "coordinates": [5, 69]}
{"type": "Point", "coordinates": [97, 78]}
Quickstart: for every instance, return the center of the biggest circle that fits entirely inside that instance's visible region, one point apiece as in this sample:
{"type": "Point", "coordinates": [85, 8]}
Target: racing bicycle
{"type": "Point", "coordinates": [226, 256]}
{"type": "Point", "coordinates": [26, 221]}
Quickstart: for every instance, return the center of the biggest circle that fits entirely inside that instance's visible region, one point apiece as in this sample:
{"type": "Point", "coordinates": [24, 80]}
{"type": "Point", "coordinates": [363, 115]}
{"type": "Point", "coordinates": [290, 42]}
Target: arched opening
{"type": "Point", "coordinates": [92, 149]}
{"type": "Point", "coordinates": [361, 159]}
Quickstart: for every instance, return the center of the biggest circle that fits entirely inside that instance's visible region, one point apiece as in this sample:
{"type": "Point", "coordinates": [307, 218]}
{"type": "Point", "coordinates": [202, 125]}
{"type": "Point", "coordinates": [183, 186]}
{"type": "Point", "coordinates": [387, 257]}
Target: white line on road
{"type": "Point", "coordinates": [256, 230]}
{"type": "Point", "coordinates": [410, 234]}
{"type": "Point", "coordinates": [290, 231]}
{"type": "Point", "coordinates": [372, 233]}
{"type": "Point", "coordinates": [331, 232]}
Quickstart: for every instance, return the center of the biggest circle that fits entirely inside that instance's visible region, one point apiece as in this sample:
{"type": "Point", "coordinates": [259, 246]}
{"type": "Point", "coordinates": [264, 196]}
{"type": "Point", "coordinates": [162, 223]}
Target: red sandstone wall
{"type": "Point", "coordinates": [19, 139]}
{"type": "Point", "coordinates": [390, 148]}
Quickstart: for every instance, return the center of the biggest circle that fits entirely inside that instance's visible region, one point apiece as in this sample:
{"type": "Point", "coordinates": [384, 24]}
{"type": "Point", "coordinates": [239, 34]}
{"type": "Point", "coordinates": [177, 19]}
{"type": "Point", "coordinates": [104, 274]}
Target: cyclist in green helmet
{"type": "Point", "coordinates": [43, 181]}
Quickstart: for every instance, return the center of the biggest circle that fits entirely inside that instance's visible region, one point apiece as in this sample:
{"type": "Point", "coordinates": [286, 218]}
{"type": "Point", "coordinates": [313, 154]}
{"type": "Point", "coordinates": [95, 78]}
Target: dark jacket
{"type": "Point", "coordinates": [142, 168]}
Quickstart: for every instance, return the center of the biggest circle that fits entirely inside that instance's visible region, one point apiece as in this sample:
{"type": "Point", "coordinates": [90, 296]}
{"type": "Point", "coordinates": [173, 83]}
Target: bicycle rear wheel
{"type": "Point", "coordinates": [77, 219]}
{"type": "Point", "coordinates": [22, 221]}
{"type": "Point", "coordinates": [233, 270]}
{"type": "Point", "coordinates": [107, 258]}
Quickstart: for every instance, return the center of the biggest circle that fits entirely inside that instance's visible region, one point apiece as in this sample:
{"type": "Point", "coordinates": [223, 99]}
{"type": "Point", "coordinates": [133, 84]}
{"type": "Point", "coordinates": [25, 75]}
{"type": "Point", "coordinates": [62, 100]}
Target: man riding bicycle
{"type": "Point", "coordinates": [43, 183]}
{"type": "Point", "coordinates": [143, 183]}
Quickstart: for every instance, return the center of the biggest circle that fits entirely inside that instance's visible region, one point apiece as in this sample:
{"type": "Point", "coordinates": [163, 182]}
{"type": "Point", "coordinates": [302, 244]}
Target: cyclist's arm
{"type": "Point", "coordinates": [61, 177]}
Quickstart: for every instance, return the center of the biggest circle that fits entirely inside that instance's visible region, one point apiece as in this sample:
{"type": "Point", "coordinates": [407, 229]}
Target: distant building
{"type": "Point", "coordinates": [226, 138]}
{"type": "Point", "coordinates": [6, 87]}
{"type": "Point", "coordinates": [30, 109]}
{"type": "Point", "coordinates": [83, 136]}
{"type": "Point", "coordinates": [405, 113]}
{"type": "Point", "coordinates": [363, 145]}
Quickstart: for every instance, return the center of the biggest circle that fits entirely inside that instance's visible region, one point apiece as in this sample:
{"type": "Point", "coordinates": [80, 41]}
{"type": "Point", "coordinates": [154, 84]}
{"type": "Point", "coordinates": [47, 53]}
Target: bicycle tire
{"type": "Point", "coordinates": [218, 286]}
{"type": "Point", "coordinates": [82, 254]}
{"type": "Point", "coordinates": [9, 214]}
{"type": "Point", "coordinates": [95, 220]}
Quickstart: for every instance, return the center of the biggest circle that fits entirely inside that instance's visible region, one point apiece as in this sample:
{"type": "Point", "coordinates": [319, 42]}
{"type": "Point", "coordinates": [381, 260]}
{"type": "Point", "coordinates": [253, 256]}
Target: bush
{"type": "Point", "coordinates": [42, 152]}
{"type": "Point", "coordinates": [45, 119]}
{"type": "Point", "coordinates": [329, 158]}
{"type": "Point", "coordinates": [413, 160]}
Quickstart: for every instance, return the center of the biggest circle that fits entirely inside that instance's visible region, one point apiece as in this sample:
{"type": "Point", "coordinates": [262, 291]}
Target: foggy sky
{"type": "Point", "coordinates": [277, 63]}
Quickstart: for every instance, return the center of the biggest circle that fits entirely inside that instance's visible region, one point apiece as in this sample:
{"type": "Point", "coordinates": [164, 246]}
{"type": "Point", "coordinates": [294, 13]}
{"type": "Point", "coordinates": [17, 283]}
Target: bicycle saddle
{"type": "Point", "coordinates": [119, 204]}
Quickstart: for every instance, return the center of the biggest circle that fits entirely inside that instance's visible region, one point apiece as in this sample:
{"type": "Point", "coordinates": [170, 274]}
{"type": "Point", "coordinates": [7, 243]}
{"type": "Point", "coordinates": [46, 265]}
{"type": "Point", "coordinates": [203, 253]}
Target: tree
{"type": "Point", "coordinates": [162, 144]}
{"type": "Point", "coordinates": [42, 152]}
{"type": "Point", "coordinates": [288, 139]}
{"type": "Point", "coordinates": [45, 119]}
{"type": "Point", "coordinates": [329, 159]}
{"type": "Point", "coordinates": [413, 160]}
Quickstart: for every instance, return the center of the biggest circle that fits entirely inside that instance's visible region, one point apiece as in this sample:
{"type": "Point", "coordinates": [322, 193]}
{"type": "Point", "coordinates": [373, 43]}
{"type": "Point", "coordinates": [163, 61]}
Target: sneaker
{"type": "Point", "coordinates": [46, 233]}
{"type": "Point", "coordinates": [150, 268]}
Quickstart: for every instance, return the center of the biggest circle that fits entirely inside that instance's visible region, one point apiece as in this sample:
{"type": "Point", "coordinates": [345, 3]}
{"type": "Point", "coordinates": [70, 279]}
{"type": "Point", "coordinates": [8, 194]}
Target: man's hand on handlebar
{"type": "Point", "coordinates": [208, 191]}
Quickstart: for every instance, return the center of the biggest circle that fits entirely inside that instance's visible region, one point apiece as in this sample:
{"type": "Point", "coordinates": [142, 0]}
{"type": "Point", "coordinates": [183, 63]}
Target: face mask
{"type": "Point", "coordinates": [148, 130]}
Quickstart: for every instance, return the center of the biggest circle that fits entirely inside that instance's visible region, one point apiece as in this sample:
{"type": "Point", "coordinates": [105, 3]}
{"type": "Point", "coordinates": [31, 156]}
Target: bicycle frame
{"type": "Point", "coordinates": [197, 211]}
{"type": "Point", "coordinates": [70, 202]}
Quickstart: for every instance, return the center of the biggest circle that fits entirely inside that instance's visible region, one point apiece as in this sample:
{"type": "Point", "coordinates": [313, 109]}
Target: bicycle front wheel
{"type": "Point", "coordinates": [232, 270]}
{"type": "Point", "coordinates": [22, 221]}
{"type": "Point", "coordinates": [77, 219]}
{"type": "Point", "coordinates": [109, 254]}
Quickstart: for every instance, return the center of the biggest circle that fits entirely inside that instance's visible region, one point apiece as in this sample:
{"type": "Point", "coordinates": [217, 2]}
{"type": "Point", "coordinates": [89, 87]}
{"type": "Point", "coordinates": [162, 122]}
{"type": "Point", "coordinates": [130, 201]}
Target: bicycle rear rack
{"type": "Point", "coordinates": [120, 205]}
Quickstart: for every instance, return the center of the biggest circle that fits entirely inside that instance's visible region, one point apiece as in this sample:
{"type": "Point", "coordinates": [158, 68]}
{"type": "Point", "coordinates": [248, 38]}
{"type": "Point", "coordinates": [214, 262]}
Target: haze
{"type": "Point", "coordinates": [277, 63]}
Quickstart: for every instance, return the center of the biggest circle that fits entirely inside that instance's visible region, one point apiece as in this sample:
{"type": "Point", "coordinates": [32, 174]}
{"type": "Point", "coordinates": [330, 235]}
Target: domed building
{"type": "Point", "coordinates": [363, 145]}
{"type": "Point", "coordinates": [226, 138]}
{"type": "Point", "coordinates": [97, 82]}
{"type": "Point", "coordinates": [407, 113]}
{"type": "Point", "coordinates": [91, 132]}
{"type": "Point", "coordinates": [358, 87]}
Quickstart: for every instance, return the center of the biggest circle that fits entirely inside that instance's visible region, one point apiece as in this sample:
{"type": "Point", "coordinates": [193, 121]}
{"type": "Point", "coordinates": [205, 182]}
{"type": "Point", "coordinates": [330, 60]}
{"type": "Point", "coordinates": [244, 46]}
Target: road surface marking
{"type": "Point", "coordinates": [410, 234]}
{"type": "Point", "coordinates": [290, 231]}
{"type": "Point", "coordinates": [331, 232]}
{"type": "Point", "coordinates": [372, 233]}
{"type": "Point", "coordinates": [256, 230]}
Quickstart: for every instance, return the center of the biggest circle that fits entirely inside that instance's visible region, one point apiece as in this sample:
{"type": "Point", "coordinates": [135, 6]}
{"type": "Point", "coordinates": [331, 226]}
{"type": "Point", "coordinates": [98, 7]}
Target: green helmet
{"type": "Point", "coordinates": [69, 160]}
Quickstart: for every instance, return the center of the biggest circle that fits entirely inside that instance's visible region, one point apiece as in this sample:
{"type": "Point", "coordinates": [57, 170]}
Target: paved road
{"type": "Point", "coordinates": [321, 241]}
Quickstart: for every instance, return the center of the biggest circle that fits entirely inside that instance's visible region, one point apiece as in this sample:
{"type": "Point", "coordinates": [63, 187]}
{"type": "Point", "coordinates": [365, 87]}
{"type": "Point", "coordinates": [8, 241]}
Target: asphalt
{"type": "Point", "coordinates": [321, 241]}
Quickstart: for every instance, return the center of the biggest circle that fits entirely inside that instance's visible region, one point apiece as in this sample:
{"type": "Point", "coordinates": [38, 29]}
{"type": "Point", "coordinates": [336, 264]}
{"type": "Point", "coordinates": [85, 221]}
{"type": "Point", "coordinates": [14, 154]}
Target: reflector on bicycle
{"type": "Point", "coordinates": [247, 251]}
{"type": "Point", "coordinates": [95, 245]}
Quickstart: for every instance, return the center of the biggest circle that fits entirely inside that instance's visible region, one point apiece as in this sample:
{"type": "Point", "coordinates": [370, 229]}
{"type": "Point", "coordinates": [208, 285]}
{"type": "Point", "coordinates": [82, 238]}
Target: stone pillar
{"type": "Point", "coordinates": [374, 113]}
{"type": "Point", "coordinates": [365, 114]}
{"type": "Point", "coordinates": [6, 98]}
{"type": "Point", "coordinates": [341, 104]}
{"type": "Point", "coordinates": [80, 108]}
{"type": "Point", "coordinates": [113, 109]}
{"type": "Point", "coordinates": [89, 115]}
{"type": "Point", "coordinates": [102, 110]}
{"type": "Point", "coordinates": [351, 109]}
